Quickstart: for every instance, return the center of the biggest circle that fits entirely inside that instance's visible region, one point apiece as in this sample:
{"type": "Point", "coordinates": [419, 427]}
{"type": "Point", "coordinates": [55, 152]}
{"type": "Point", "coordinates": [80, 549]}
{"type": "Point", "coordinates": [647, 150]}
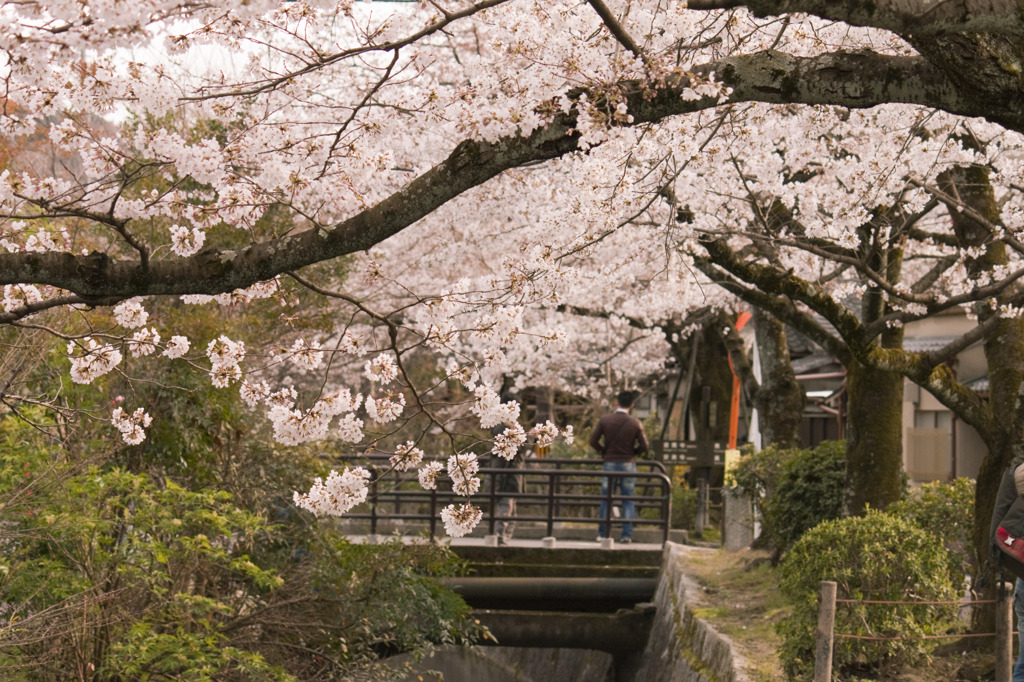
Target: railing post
{"type": "Point", "coordinates": [666, 510]}
{"type": "Point", "coordinates": [1004, 631]}
{"type": "Point", "coordinates": [373, 501]}
{"type": "Point", "coordinates": [552, 478]}
{"type": "Point", "coordinates": [493, 505]}
{"type": "Point", "coordinates": [825, 635]}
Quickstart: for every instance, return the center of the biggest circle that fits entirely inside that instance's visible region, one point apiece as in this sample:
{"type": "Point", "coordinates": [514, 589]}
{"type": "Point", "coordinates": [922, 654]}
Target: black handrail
{"type": "Point", "coordinates": [554, 483]}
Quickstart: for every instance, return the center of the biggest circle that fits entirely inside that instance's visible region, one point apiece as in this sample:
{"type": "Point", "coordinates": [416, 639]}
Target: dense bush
{"type": "Point", "coordinates": [877, 557]}
{"type": "Point", "coordinates": [758, 471]}
{"type": "Point", "coordinates": [794, 490]}
{"type": "Point", "coordinates": [107, 574]}
{"type": "Point", "coordinates": [946, 510]}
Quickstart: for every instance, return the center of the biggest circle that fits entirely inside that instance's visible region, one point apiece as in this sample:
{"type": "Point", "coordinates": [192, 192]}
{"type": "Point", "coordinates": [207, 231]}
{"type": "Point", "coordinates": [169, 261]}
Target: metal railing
{"type": "Point", "coordinates": [551, 491]}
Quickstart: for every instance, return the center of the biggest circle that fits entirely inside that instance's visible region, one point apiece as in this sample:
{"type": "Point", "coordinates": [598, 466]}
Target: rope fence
{"type": "Point", "coordinates": [826, 634]}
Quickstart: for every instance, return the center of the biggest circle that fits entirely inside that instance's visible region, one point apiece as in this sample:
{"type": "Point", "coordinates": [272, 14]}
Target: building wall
{"type": "Point", "coordinates": [937, 446]}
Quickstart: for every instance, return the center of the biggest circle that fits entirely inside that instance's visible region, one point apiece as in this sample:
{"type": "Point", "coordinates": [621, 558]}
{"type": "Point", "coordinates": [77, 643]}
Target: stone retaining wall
{"type": "Point", "coordinates": [683, 648]}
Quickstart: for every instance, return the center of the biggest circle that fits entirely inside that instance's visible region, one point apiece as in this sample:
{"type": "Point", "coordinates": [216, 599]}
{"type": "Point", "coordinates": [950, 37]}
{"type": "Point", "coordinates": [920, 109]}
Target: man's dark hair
{"type": "Point", "coordinates": [625, 398]}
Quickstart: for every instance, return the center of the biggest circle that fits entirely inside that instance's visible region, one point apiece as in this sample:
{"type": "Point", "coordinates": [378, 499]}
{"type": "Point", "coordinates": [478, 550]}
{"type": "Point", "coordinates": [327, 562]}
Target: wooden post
{"type": "Point", "coordinates": [1004, 631]}
{"type": "Point", "coordinates": [826, 632]}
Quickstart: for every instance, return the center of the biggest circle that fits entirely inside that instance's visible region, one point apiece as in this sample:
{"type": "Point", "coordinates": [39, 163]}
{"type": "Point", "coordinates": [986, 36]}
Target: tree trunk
{"type": "Point", "coordinates": [874, 438]}
{"type": "Point", "coordinates": [780, 398]}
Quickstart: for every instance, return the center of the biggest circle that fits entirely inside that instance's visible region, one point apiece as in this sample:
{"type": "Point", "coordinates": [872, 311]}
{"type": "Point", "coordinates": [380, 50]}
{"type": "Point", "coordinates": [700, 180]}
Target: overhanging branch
{"type": "Point", "coordinates": [840, 78]}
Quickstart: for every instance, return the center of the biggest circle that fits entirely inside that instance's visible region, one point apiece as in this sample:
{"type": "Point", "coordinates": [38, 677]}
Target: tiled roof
{"type": "Point", "coordinates": [979, 385]}
{"type": "Point", "coordinates": [925, 344]}
{"type": "Point", "coordinates": [814, 361]}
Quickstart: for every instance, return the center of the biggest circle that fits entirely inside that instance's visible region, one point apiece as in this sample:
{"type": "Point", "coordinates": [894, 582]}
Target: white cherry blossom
{"type": "Point", "coordinates": [176, 347]}
{"type": "Point", "coordinates": [95, 360]}
{"type": "Point", "coordinates": [337, 494]}
{"type": "Point", "coordinates": [130, 313]}
{"type": "Point", "coordinates": [132, 426]}
{"type": "Point", "coordinates": [429, 474]}
{"type": "Point", "coordinates": [407, 456]}
{"type": "Point", "coordinates": [460, 520]}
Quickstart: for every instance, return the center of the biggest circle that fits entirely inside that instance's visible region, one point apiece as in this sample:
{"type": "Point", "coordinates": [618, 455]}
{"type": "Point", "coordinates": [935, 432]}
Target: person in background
{"type": "Point", "coordinates": [619, 438]}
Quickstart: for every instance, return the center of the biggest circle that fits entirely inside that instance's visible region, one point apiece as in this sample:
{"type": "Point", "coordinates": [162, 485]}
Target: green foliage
{"type": "Point", "coordinates": [158, 569]}
{"type": "Point", "coordinates": [684, 507]}
{"type": "Point", "coordinates": [946, 510]}
{"type": "Point", "coordinates": [877, 557]}
{"type": "Point", "coordinates": [758, 473]}
{"type": "Point", "coordinates": [794, 490]}
{"type": "Point", "coordinates": [412, 610]}
{"type": "Point", "coordinates": [129, 574]}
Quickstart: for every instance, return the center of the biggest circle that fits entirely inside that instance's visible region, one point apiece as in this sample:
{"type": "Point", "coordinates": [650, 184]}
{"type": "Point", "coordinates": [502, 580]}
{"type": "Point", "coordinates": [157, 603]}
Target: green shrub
{"type": "Point", "coordinates": [810, 491]}
{"type": "Point", "coordinates": [139, 578]}
{"type": "Point", "coordinates": [877, 557]}
{"type": "Point", "coordinates": [946, 510]}
{"type": "Point", "coordinates": [758, 472]}
{"type": "Point", "coordinates": [684, 507]}
{"type": "Point", "coordinates": [793, 490]}
{"type": "Point", "coordinates": [757, 476]}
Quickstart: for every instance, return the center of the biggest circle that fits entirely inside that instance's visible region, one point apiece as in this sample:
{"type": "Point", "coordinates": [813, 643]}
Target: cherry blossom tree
{"type": "Point", "coordinates": [937, 230]}
{"type": "Point", "coordinates": [257, 140]}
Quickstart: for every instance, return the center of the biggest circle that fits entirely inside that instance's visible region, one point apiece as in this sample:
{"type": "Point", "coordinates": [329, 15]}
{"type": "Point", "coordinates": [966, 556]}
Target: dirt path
{"type": "Point", "coordinates": [737, 593]}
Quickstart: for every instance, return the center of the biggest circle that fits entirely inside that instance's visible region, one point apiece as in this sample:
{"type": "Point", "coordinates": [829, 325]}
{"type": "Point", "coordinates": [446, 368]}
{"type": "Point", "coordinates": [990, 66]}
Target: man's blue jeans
{"type": "Point", "coordinates": [1018, 608]}
{"type": "Point", "coordinates": [625, 486]}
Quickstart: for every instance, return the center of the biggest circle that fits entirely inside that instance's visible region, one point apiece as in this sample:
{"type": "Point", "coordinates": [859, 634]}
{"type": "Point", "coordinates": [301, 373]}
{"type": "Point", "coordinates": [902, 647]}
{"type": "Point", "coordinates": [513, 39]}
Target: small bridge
{"type": "Point", "coordinates": [558, 497]}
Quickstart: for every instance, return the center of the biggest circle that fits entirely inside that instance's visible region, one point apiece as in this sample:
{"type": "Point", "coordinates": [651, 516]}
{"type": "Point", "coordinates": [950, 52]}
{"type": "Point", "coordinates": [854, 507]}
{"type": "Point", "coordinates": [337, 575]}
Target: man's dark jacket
{"type": "Point", "coordinates": [624, 437]}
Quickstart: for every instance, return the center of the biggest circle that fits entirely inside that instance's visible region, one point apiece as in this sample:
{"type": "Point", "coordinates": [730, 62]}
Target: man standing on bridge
{"type": "Point", "coordinates": [623, 440]}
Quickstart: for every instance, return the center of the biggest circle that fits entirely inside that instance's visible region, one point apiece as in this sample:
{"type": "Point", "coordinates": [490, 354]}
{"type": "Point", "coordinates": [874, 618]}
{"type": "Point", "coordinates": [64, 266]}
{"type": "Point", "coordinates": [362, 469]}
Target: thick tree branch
{"type": "Point", "coordinates": [938, 379]}
{"type": "Point", "coordinates": [30, 309]}
{"type": "Point", "coordinates": [848, 79]}
{"type": "Point", "coordinates": [778, 303]}
{"type": "Point", "coordinates": [914, 17]}
{"type": "Point", "coordinates": [844, 79]}
{"type": "Point", "coordinates": [742, 366]}
{"type": "Point", "coordinates": [772, 282]}
{"type": "Point", "coordinates": [753, 282]}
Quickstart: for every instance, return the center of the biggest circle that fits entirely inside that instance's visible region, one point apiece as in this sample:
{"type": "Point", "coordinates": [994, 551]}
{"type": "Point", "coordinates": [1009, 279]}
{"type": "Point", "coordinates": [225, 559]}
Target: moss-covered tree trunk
{"type": "Point", "coordinates": [780, 398]}
{"type": "Point", "coordinates": [712, 370]}
{"type": "Point", "coordinates": [874, 416]}
{"type": "Point", "coordinates": [874, 438]}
